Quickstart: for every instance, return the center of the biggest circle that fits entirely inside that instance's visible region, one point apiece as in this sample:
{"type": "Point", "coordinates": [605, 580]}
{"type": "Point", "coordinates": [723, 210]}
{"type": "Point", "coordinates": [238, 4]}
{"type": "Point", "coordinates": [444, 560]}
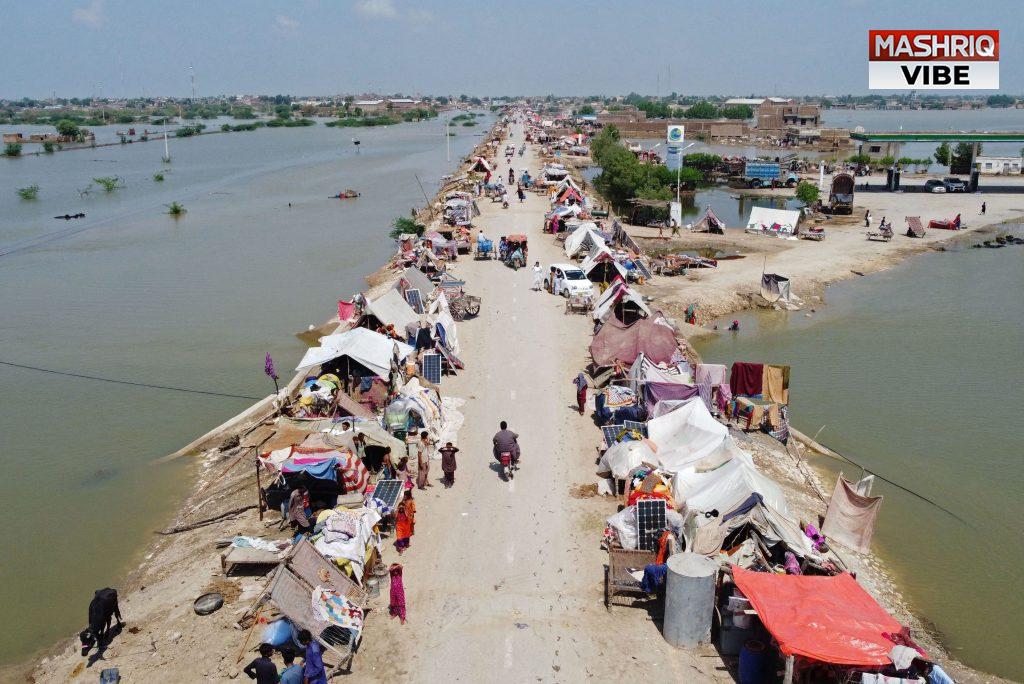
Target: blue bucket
{"type": "Point", "coordinates": [753, 662]}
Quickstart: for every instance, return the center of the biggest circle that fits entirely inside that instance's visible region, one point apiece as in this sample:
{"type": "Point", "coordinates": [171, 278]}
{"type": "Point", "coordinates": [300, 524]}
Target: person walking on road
{"type": "Point", "coordinates": [537, 280]}
{"type": "Point", "coordinates": [581, 392]}
{"type": "Point", "coordinates": [982, 208]}
{"type": "Point", "coordinates": [448, 463]}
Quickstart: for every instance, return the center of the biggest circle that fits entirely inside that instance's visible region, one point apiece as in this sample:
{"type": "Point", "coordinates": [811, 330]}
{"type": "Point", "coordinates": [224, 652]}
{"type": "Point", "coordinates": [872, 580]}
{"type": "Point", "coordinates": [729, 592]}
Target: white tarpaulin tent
{"type": "Point", "coordinates": [727, 486]}
{"type": "Point", "coordinates": [618, 291]}
{"type": "Point", "coordinates": [392, 308]}
{"type": "Point", "coordinates": [689, 435]}
{"type": "Point", "coordinates": [367, 347]}
{"type": "Point", "coordinates": [762, 220]}
{"type": "Point", "coordinates": [622, 457]}
{"type": "Point", "coordinates": [577, 239]}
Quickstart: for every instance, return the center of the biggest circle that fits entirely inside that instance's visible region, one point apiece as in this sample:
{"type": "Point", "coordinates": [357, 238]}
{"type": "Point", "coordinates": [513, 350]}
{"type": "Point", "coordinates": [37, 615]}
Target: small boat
{"type": "Point", "coordinates": [346, 194]}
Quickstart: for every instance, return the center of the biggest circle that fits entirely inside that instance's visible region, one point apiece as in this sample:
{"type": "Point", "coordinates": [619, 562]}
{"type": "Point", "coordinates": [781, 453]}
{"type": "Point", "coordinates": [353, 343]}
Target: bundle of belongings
{"type": "Point", "coordinates": [760, 396]}
{"type": "Point", "coordinates": [347, 538]}
{"type": "Point", "coordinates": [615, 404]}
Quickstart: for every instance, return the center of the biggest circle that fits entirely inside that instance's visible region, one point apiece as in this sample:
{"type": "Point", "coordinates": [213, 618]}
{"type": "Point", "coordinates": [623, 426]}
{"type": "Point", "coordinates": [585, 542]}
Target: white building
{"type": "Point", "coordinates": [997, 165]}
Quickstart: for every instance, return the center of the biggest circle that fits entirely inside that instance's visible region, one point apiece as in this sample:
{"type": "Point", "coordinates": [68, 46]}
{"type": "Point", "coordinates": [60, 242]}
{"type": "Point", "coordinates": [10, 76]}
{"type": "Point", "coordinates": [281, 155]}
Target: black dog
{"type": "Point", "coordinates": [102, 609]}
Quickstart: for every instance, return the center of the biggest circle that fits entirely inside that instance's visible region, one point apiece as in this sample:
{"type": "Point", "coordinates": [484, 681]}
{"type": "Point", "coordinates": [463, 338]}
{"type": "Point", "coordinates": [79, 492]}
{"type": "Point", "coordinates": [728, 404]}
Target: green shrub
{"type": "Point", "coordinates": [109, 183]}
{"type": "Point", "coordinates": [175, 209]}
{"type": "Point", "coordinates": [30, 192]}
{"type": "Point", "coordinates": [158, 177]}
{"type": "Point", "coordinates": [12, 150]}
{"type": "Point", "coordinates": [807, 193]}
{"type": "Point", "coordinates": [48, 147]}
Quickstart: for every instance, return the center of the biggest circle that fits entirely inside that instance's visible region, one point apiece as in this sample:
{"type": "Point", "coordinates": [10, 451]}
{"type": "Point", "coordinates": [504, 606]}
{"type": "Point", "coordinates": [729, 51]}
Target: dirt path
{"type": "Point", "coordinates": [504, 580]}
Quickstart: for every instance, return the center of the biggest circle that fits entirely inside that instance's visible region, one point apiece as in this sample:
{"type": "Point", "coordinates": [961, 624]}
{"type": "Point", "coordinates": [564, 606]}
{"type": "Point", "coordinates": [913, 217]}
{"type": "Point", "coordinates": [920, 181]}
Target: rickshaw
{"type": "Point", "coordinates": [484, 249]}
{"type": "Point", "coordinates": [515, 251]}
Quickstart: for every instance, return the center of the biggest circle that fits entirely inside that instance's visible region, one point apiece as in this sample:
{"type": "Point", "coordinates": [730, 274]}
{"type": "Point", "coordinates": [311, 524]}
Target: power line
{"type": "Point", "coordinates": [83, 376]}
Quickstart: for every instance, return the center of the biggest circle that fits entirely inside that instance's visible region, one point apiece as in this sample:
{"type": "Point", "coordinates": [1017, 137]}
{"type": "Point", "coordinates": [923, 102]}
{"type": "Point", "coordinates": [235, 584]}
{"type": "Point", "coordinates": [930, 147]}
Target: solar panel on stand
{"type": "Point", "coordinates": [611, 433]}
{"type": "Point", "coordinates": [642, 267]}
{"type": "Point", "coordinates": [412, 295]}
{"type": "Point", "coordinates": [432, 368]}
{"type": "Point", "coordinates": [636, 425]}
{"type": "Point", "coordinates": [388, 492]}
{"type": "Point", "coordinates": [650, 521]}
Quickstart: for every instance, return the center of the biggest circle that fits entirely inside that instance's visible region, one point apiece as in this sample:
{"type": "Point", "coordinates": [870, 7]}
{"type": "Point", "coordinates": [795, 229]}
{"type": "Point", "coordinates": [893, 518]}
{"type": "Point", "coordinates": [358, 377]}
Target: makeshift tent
{"type": "Point", "coordinates": [620, 458]}
{"type": "Point", "coordinates": [616, 341]}
{"type": "Point", "coordinates": [690, 435]}
{"type": "Point", "coordinates": [366, 347]}
{"type": "Point", "coordinates": [828, 619]}
{"type": "Point", "coordinates": [771, 526]}
{"type": "Point", "coordinates": [585, 237]}
{"type": "Point", "coordinates": [775, 287]}
{"type": "Point", "coordinates": [392, 309]}
{"type": "Point", "coordinates": [644, 370]}
{"type": "Point", "coordinates": [709, 223]}
{"type": "Point", "coordinates": [481, 165]}
{"type": "Point", "coordinates": [657, 392]}
{"type": "Point", "coordinates": [780, 222]}
{"type": "Point", "coordinates": [413, 277]}
{"type": "Point", "coordinates": [600, 266]}
{"type": "Point", "coordinates": [626, 304]}
{"type": "Point", "coordinates": [850, 517]}
{"type": "Point", "coordinates": [726, 486]}
{"type": "Point", "coordinates": [563, 210]}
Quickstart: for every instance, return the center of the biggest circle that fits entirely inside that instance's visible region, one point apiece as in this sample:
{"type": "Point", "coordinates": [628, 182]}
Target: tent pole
{"type": "Point", "coordinates": [259, 487]}
{"type": "Point", "coordinates": [788, 677]}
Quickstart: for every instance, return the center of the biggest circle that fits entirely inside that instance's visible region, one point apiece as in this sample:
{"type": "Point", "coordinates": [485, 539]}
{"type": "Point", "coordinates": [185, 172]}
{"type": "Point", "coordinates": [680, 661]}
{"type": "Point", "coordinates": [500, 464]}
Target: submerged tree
{"type": "Point", "coordinates": [175, 209]}
{"type": "Point", "coordinates": [405, 226]}
{"type": "Point", "coordinates": [29, 192]}
{"type": "Point", "coordinates": [109, 183]}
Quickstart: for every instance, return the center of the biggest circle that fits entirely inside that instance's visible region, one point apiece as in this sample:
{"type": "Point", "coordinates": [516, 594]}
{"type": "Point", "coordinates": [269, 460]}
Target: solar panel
{"type": "Point", "coordinates": [432, 368]}
{"type": "Point", "coordinates": [388, 491]}
{"type": "Point", "coordinates": [611, 433]}
{"type": "Point", "coordinates": [642, 267]}
{"type": "Point", "coordinates": [650, 520]}
{"type": "Point", "coordinates": [636, 425]}
{"type": "Point", "coordinates": [412, 295]}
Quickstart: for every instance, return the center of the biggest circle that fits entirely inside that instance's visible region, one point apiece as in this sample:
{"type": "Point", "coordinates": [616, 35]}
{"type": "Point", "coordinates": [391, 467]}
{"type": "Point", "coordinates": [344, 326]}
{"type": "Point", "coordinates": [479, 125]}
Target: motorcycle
{"type": "Point", "coordinates": [507, 465]}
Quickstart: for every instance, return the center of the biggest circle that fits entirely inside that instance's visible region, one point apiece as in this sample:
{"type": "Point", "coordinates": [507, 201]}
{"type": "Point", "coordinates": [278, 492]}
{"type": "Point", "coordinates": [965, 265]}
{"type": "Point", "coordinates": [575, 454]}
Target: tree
{"type": "Point", "coordinates": [283, 111]}
{"type": "Point", "coordinates": [960, 162]}
{"type": "Point", "coordinates": [738, 112]}
{"type": "Point", "coordinates": [906, 161]}
{"type": "Point", "coordinates": [999, 101]}
{"type": "Point", "coordinates": [887, 160]}
{"type": "Point", "coordinates": [859, 159]}
{"type": "Point", "coordinates": [807, 193]}
{"type": "Point", "coordinates": [48, 146]}
{"type": "Point", "coordinates": [586, 110]}
{"type": "Point", "coordinates": [702, 110]}
{"type": "Point", "coordinates": [68, 128]}
{"type": "Point", "coordinates": [12, 150]}
{"type": "Point", "coordinates": [942, 154]}
{"type": "Point", "coordinates": [404, 225]}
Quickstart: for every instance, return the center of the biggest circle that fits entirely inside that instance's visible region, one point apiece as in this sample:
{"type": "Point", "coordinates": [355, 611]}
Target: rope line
{"type": "Point", "coordinates": [83, 376]}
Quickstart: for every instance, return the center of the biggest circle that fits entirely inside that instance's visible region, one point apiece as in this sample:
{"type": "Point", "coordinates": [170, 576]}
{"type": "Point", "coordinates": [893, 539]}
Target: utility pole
{"type": "Point", "coordinates": [192, 76]}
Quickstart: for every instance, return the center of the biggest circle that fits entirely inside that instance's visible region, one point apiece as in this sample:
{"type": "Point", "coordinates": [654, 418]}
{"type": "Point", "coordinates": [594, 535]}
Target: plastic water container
{"type": "Point", "coordinates": [737, 604]}
{"type": "Point", "coordinates": [753, 661]}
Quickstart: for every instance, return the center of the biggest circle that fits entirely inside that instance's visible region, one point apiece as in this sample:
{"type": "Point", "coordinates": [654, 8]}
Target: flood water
{"type": "Point", "coordinates": [915, 374]}
{"type": "Point", "coordinates": [134, 294]}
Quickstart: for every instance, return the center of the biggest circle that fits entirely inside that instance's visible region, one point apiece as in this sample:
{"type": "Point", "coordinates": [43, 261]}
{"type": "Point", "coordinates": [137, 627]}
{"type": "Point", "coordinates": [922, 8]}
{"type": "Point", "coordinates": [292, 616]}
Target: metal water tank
{"type": "Point", "coordinates": [689, 599]}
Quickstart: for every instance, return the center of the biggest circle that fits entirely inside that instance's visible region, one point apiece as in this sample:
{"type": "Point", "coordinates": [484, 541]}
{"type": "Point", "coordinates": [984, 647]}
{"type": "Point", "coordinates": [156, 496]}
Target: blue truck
{"type": "Point", "coordinates": [761, 174]}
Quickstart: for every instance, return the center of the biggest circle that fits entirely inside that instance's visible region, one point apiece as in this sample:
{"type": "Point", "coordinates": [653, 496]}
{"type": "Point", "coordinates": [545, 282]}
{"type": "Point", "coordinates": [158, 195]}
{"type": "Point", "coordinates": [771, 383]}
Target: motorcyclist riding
{"type": "Point", "coordinates": [506, 441]}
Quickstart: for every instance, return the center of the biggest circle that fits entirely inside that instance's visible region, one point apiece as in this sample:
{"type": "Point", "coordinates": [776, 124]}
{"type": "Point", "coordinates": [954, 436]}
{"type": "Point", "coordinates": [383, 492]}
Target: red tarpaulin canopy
{"type": "Point", "coordinates": [829, 619]}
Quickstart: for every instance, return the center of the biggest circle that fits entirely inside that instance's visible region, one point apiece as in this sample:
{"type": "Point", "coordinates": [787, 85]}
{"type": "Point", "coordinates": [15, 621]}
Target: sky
{"type": "Point", "coordinates": [113, 48]}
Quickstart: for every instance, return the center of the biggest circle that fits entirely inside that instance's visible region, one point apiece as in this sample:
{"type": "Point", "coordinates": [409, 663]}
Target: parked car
{"type": "Point", "coordinates": [569, 280]}
{"type": "Point", "coordinates": [954, 184]}
{"type": "Point", "coordinates": [934, 185]}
